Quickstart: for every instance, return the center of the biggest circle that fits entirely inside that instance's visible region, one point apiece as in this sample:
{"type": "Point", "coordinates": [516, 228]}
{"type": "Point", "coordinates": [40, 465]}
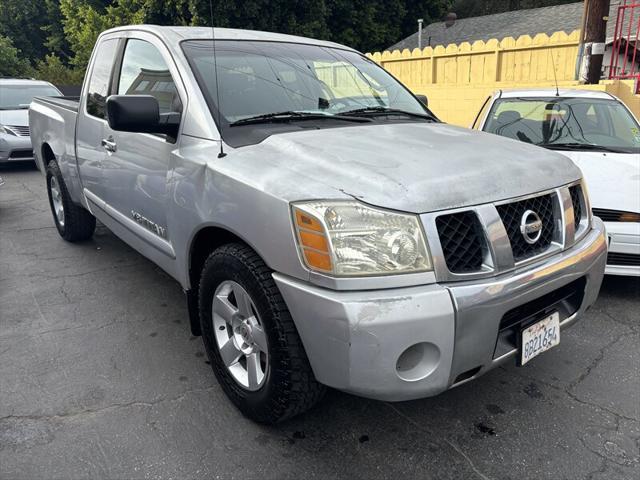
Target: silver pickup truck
{"type": "Point", "coordinates": [327, 229]}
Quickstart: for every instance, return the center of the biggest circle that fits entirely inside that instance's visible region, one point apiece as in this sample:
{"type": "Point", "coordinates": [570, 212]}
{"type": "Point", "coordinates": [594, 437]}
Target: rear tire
{"type": "Point", "coordinates": [284, 385]}
{"type": "Point", "coordinates": [74, 222]}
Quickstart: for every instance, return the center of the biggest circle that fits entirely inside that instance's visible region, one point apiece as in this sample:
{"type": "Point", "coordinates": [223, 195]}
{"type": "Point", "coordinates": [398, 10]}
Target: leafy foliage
{"type": "Point", "coordinates": [11, 65]}
{"type": "Point", "coordinates": [83, 22]}
{"type": "Point", "coordinates": [53, 70]}
{"type": "Point", "coordinates": [22, 21]}
{"type": "Point", "coordinates": [56, 37]}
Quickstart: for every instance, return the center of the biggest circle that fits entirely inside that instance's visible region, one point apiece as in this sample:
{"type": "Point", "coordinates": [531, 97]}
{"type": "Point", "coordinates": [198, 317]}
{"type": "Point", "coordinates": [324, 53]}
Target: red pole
{"type": "Point", "coordinates": [626, 49]}
{"type": "Point", "coordinates": [615, 48]}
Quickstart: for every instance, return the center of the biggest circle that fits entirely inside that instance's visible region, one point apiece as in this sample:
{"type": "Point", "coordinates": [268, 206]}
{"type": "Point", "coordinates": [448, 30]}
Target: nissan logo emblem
{"type": "Point", "coordinates": [531, 227]}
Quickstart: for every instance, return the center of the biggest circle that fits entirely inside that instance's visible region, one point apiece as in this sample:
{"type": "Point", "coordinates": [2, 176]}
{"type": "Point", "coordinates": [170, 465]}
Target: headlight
{"type": "Point", "coordinates": [5, 130]}
{"type": "Point", "coordinates": [347, 238]}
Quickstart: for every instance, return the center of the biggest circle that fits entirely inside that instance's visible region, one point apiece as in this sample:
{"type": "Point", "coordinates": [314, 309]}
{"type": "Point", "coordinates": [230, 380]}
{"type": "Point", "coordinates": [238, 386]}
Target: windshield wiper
{"type": "Point", "coordinates": [579, 146]}
{"type": "Point", "coordinates": [374, 111]}
{"type": "Point", "coordinates": [288, 116]}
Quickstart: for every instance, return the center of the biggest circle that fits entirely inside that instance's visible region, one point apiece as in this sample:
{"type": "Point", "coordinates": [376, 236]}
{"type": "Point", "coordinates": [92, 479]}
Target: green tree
{"type": "Point", "coordinates": [22, 21]}
{"type": "Point", "coordinates": [83, 22]}
{"type": "Point", "coordinates": [55, 37]}
{"type": "Point", "coordinates": [430, 11]}
{"type": "Point", "coordinates": [53, 70]}
{"type": "Point", "coordinates": [11, 64]}
{"type": "Point", "coordinates": [365, 24]}
{"type": "Point", "coordinates": [169, 12]}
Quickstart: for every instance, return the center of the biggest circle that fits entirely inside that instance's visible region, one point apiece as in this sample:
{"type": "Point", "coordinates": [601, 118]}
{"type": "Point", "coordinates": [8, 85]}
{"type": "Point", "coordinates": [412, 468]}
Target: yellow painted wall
{"type": "Point", "coordinates": [458, 78]}
{"type": "Point", "coordinates": [459, 104]}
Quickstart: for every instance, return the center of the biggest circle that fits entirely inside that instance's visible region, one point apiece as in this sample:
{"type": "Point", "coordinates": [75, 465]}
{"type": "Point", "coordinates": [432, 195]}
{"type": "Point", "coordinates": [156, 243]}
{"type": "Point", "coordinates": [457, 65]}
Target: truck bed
{"type": "Point", "coordinates": [68, 103]}
{"type": "Point", "coordinates": [53, 122]}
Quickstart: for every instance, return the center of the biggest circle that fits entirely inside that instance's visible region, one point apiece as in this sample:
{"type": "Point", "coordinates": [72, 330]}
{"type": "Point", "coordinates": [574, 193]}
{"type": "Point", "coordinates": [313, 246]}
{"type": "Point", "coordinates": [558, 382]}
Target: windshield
{"type": "Point", "coordinates": [571, 122]}
{"type": "Point", "coordinates": [260, 78]}
{"type": "Point", "coordinates": [16, 97]}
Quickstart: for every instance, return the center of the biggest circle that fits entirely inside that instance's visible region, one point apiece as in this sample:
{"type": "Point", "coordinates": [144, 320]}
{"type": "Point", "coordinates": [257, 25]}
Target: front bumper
{"type": "Point", "coordinates": [413, 342]}
{"type": "Point", "coordinates": [15, 149]}
{"type": "Point", "coordinates": [624, 248]}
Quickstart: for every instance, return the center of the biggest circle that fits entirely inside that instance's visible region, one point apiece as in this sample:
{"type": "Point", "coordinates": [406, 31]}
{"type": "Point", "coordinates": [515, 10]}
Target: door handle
{"type": "Point", "coordinates": [109, 145]}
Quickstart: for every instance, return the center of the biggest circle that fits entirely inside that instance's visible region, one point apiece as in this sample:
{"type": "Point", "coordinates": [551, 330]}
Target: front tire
{"type": "Point", "coordinates": [74, 222]}
{"type": "Point", "coordinates": [251, 339]}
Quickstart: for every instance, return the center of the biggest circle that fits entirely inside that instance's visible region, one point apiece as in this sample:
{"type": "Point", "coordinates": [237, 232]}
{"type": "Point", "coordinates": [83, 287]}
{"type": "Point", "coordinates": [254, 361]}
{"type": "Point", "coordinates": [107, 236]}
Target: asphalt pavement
{"type": "Point", "coordinates": [101, 378]}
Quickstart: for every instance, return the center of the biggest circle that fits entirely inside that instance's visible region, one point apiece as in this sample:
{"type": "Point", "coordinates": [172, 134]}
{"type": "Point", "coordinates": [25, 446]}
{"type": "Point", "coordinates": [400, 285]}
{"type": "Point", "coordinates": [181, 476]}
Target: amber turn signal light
{"type": "Point", "coordinates": [313, 241]}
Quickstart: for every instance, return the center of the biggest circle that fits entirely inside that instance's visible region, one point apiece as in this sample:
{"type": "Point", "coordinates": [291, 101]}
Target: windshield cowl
{"type": "Point", "coordinates": [581, 146]}
{"type": "Point", "coordinates": [293, 116]}
{"type": "Point", "coordinates": [384, 111]}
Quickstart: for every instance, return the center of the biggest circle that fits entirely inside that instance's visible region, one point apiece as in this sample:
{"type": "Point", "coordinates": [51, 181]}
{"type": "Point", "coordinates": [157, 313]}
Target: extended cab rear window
{"type": "Point", "coordinates": [101, 77]}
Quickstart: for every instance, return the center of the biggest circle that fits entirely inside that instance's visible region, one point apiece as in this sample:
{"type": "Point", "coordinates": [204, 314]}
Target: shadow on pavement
{"type": "Point", "coordinates": [621, 287]}
{"type": "Point", "coordinates": [17, 167]}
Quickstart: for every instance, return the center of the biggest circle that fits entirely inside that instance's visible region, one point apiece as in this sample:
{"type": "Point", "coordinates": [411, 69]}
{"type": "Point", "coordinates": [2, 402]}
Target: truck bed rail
{"type": "Point", "coordinates": [68, 103]}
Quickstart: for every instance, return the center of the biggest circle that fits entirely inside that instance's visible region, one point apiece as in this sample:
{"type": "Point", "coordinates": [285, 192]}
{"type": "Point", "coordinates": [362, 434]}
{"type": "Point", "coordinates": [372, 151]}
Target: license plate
{"type": "Point", "coordinates": [540, 337]}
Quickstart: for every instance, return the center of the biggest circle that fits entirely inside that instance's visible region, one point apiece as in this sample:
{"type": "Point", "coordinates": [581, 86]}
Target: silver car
{"type": "Point", "coordinates": [15, 97]}
{"type": "Point", "coordinates": [327, 229]}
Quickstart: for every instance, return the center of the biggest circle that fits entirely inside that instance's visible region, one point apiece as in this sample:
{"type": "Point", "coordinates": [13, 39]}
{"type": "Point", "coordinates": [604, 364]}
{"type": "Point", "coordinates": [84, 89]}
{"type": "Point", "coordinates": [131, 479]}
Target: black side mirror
{"type": "Point", "coordinates": [423, 99]}
{"type": "Point", "coordinates": [140, 114]}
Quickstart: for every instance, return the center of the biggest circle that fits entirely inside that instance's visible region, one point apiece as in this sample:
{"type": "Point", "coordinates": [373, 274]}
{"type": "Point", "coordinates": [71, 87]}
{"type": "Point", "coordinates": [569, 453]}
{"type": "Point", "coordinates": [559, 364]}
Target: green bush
{"type": "Point", "coordinates": [11, 64]}
{"type": "Point", "coordinates": [53, 70]}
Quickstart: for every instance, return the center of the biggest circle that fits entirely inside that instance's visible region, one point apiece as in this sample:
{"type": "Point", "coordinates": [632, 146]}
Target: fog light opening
{"type": "Point", "coordinates": [418, 361]}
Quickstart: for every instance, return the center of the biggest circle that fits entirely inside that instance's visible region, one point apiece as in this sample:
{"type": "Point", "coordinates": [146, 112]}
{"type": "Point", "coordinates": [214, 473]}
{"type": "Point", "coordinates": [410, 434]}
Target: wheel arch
{"type": "Point", "coordinates": [47, 154]}
{"type": "Point", "coordinates": [203, 242]}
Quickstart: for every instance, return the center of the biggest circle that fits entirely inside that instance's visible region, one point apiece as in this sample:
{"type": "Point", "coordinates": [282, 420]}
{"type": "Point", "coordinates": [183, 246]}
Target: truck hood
{"type": "Point", "coordinates": [414, 167]}
{"type": "Point", "coordinates": [613, 179]}
{"type": "Point", "coordinates": [19, 118]}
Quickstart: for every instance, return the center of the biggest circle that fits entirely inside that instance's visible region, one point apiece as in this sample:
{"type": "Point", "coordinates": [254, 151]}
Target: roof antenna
{"type": "Point", "coordinates": [555, 78]}
{"type": "Point", "coordinates": [215, 73]}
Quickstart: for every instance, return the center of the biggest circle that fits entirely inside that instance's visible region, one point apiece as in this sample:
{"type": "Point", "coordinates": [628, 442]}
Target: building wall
{"type": "Point", "coordinates": [458, 78]}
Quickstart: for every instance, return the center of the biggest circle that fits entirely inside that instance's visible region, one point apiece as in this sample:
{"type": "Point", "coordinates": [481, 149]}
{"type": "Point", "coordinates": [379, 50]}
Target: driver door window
{"type": "Point", "coordinates": [144, 72]}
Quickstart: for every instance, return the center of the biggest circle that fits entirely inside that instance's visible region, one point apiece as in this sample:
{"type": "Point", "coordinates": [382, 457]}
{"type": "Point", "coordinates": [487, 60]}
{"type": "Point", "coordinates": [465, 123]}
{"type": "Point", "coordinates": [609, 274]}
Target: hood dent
{"type": "Point", "coordinates": [410, 167]}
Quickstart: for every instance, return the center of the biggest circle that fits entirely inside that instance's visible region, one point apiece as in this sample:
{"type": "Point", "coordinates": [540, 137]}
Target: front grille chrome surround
{"type": "Point", "coordinates": [496, 232]}
{"type": "Point", "coordinates": [512, 213]}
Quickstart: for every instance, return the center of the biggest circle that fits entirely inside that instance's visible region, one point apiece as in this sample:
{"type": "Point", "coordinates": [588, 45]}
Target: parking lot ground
{"type": "Point", "coordinates": [100, 378]}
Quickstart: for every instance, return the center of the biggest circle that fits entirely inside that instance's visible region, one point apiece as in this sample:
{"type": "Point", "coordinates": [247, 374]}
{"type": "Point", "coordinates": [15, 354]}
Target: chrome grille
{"type": "Point", "coordinates": [511, 215]}
{"type": "Point", "coordinates": [462, 241]}
{"type": "Point", "coordinates": [485, 240]}
{"type": "Point", "coordinates": [576, 201]}
{"type": "Point", "coordinates": [21, 131]}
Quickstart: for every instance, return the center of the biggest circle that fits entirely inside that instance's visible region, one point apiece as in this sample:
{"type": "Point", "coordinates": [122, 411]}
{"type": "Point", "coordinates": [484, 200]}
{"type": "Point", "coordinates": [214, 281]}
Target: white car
{"type": "Point", "coordinates": [15, 96]}
{"type": "Point", "coordinates": [601, 135]}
